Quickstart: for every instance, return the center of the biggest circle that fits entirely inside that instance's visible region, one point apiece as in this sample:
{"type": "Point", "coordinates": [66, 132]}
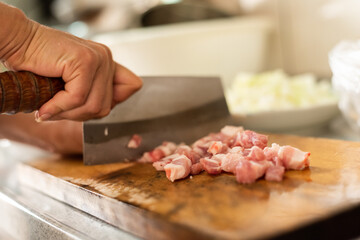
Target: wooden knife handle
{"type": "Point", "coordinates": [25, 91]}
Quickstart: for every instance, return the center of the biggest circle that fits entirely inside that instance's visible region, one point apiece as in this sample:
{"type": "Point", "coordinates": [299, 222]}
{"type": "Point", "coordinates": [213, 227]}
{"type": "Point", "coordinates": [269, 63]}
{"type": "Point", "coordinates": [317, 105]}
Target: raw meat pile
{"type": "Point", "coordinates": [235, 150]}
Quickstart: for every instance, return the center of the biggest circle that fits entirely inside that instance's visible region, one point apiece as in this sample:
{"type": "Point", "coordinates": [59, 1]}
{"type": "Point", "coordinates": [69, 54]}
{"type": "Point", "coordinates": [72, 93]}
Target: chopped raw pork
{"type": "Point", "coordinates": [188, 152]}
{"type": "Point", "coordinates": [249, 171]}
{"type": "Point", "coordinates": [217, 147]}
{"type": "Point", "coordinates": [274, 173]}
{"type": "Point", "coordinates": [231, 130]}
{"type": "Point", "coordinates": [256, 154]}
{"type": "Point", "coordinates": [211, 165]}
{"type": "Point", "coordinates": [293, 158]}
{"type": "Point", "coordinates": [230, 161]}
{"type": "Point", "coordinates": [179, 168]}
{"type": "Point", "coordinates": [196, 168]}
{"type": "Point", "coordinates": [248, 138]}
{"type": "Point", "coordinates": [135, 141]}
{"type": "Point", "coordinates": [159, 165]}
{"type": "Point", "coordinates": [272, 152]}
{"type": "Point", "coordinates": [159, 152]}
{"type": "Point", "coordinates": [235, 150]}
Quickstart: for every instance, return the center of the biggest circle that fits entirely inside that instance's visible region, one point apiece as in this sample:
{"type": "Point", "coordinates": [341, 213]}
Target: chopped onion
{"type": "Point", "coordinates": [252, 93]}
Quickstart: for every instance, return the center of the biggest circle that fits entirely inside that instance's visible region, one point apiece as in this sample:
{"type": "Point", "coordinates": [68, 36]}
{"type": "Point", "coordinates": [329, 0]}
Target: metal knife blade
{"type": "Point", "coordinates": [179, 109]}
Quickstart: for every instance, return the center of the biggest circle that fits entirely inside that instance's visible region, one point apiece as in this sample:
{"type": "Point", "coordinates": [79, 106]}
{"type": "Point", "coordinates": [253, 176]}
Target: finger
{"type": "Point", "coordinates": [98, 103]}
{"type": "Point", "coordinates": [124, 92]}
{"type": "Point", "coordinates": [75, 94]}
{"type": "Point", "coordinates": [125, 84]}
{"type": "Point", "coordinates": [93, 109]}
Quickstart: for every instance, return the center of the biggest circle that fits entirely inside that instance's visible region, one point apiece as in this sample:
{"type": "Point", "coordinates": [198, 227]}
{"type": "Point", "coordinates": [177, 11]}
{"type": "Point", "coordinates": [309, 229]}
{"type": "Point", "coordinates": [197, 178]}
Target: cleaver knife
{"type": "Point", "coordinates": [178, 109]}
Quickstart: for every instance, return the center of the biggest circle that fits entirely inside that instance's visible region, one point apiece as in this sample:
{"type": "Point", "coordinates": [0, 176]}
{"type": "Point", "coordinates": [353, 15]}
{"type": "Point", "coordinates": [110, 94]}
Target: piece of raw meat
{"type": "Point", "coordinates": [159, 165]}
{"type": "Point", "coordinates": [230, 161]}
{"type": "Point", "coordinates": [249, 171]}
{"type": "Point", "coordinates": [275, 173]}
{"type": "Point", "coordinates": [248, 138]}
{"type": "Point", "coordinates": [165, 149]}
{"type": "Point", "coordinates": [135, 141]}
{"type": "Point", "coordinates": [196, 168]}
{"type": "Point", "coordinates": [211, 165]}
{"type": "Point", "coordinates": [217, 147]}
{"type": "Point", "coordinates": [256, 154]}
{"type": "Point", "coordinates": [293, 158]}
{"type": "Point", "coordinates": [179, 167]}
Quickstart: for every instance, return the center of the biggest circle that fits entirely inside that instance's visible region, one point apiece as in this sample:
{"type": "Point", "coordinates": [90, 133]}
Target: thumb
{"type": "Point", "coordinates": [125, 83]}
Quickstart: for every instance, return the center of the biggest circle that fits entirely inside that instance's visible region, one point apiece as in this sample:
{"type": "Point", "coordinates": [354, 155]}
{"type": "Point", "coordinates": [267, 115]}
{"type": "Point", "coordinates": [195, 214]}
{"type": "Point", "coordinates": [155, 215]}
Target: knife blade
{"type": "Point", "coordinates": [178, 109]}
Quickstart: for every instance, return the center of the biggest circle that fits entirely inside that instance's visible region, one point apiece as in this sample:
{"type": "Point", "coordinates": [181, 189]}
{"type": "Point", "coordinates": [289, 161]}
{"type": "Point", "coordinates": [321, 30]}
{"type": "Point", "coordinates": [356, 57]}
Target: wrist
{"type": "Point", "coordinates": [15, 34]}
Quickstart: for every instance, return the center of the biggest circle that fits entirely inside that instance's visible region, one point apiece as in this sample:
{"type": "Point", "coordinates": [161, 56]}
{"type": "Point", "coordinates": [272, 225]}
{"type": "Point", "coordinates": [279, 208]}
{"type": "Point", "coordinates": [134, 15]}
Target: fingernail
{"type": "Point", "coordinates": [42, 118]}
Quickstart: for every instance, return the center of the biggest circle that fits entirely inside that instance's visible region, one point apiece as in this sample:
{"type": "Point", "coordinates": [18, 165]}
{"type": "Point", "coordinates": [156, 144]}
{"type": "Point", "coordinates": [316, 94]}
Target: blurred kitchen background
{"type": "Point", "coordinates": [208, 37]}
{"type": "Point", "coordinates": [294, 35]}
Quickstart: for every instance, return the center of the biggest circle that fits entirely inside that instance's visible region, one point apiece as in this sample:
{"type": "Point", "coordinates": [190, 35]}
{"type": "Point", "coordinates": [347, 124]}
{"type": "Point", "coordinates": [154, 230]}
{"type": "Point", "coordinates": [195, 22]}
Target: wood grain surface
{"type": "Point", "coordinates": [137, 198]}
{"type": "Point", "coordinates": [25, 91]}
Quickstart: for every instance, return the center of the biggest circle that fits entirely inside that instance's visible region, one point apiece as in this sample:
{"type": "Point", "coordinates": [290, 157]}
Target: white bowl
{"type": "Point", "coordinates": [293, 119]}
{"type": "Point", "coordinates": [206, 48]}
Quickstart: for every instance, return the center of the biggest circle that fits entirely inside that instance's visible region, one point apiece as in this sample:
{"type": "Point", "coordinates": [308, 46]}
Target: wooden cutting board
{"type": "Point", "coordinates": [138, 199]}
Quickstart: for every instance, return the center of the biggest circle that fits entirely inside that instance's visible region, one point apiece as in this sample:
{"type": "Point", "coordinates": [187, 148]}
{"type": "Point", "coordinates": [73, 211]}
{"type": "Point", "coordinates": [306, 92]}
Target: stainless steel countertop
{"type": "Point", "coordinates": [28, 214]}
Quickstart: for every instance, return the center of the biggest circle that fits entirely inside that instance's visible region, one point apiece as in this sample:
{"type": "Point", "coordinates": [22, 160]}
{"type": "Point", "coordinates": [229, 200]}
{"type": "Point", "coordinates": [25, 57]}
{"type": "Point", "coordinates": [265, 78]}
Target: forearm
{"type": "Point", "coordinates": [60, 136]}
{"type": "Point", "coordinates": [21, 127]}
{"type": "Point", "coordinates": [16, 32]}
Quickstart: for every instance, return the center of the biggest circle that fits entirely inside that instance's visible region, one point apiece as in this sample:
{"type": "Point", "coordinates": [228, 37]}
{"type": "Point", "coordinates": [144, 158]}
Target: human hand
{"type": "Point", "coordinates": [94, 83]}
